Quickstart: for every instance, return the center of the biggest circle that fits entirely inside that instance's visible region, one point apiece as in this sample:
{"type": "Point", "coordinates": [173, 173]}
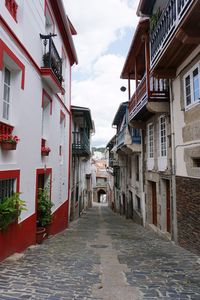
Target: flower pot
{"type": "Point", "coordinates": [8, 146]}
{"type": "Point", "coordinates": [40, 234]}
{"type": "Point", "coordinates": [45, 153]}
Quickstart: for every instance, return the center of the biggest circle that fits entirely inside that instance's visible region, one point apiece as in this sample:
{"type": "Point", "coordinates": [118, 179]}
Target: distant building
{"type": "Point", "coordinates": [100, 174]}
{"type": "Point", "coordinates": [81, 179]}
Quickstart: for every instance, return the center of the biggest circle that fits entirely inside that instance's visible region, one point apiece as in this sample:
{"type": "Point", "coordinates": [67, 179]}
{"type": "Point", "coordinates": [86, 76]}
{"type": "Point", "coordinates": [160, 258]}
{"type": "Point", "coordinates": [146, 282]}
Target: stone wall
{"type": "Point", "coordinates": [188, 213]}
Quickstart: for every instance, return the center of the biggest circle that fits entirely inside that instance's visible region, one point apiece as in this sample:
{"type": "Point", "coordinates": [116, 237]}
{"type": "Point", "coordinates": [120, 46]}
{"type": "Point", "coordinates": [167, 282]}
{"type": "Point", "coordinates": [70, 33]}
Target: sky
{"type": "Point", "coordinates": [105, 29]}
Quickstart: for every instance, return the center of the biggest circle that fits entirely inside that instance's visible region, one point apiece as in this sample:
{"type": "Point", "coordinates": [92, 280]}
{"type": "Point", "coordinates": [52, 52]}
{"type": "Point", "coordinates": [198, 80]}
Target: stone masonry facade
{"type": "Point", "coordinates": [188, 212]}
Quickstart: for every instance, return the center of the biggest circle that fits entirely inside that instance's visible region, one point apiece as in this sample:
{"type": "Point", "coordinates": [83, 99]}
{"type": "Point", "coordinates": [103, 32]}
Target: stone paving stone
{"type": "Point", "coordinates": [68, 266]}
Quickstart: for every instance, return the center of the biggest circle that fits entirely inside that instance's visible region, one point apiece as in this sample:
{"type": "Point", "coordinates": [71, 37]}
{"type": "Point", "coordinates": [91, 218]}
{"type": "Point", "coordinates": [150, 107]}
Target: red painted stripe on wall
{"type": "Point", "coordinates": [60, 218]}
{"type": "Point", "coordinates": [18, 237]}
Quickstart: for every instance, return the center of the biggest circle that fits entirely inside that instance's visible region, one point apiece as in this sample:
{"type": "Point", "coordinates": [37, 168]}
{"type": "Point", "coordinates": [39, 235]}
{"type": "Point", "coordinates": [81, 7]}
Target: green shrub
{"type": "Point", "coordinates": [10, 209]}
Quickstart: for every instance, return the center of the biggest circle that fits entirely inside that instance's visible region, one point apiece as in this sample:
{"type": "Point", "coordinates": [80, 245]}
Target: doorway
{"type": "Point", "coordinates": [154, 203]}
{"type": "Point", "coordinates": [168, 207]}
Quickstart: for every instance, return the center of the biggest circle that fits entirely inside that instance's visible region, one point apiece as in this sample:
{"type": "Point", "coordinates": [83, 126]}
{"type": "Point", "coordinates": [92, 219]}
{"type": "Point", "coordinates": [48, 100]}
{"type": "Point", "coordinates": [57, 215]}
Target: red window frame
{"type": "Point", "coordinates": [12, 7]}
{"type": "Point", "coordinates": [12, 174]}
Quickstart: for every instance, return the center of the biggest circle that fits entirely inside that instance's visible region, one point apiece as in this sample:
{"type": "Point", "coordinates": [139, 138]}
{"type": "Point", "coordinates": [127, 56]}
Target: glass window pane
{"type": "Point", "coordinates": [7, 76]}
{"type": "Point", "coordinates": [196, 84]}
{"type": "Point", "coordinates": [6, 93]}
{"type": "Point", "coordinates": [188, 90]}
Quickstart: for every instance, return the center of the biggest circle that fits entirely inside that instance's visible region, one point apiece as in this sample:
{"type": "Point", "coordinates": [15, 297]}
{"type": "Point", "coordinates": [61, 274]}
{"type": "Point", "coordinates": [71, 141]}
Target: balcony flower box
{"type": "Point", "coordinates": [45, 151]}
{"type": "Point", "coordinates": [8, 141]}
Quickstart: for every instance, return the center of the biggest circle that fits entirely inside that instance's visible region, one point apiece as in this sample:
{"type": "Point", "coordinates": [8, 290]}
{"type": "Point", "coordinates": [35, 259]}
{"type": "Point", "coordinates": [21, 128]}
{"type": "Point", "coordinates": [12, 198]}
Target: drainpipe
{"type": "Point", "coordinates": [173, 187]}
{"type": "Point", "coordinates": [143, 176]}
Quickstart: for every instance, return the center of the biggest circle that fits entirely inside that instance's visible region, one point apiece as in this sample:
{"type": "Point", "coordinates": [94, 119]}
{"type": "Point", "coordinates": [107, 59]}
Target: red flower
{"type": "Point", "coordinates": [9, 138]}
{"type": "Point", "coordinates": [45, 149]}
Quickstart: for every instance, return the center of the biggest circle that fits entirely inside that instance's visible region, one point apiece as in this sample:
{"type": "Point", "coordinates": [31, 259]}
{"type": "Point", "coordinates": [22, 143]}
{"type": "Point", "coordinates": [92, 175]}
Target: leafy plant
{"type": "Point", "coordinates": [10, 209]}
{"type": "Point", "coordinates": [154, 19]}
{"type": "Point", "coordinates": [45, 204]}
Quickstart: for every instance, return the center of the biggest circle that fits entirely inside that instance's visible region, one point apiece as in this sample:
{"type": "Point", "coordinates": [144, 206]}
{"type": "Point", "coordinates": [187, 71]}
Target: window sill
{"type": "Point", "coordinates": [192, 105]}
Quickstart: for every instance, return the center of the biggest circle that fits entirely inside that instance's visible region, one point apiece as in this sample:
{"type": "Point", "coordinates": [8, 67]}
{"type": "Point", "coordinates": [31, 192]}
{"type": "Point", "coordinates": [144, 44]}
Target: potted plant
{"type": "Point", "coordinates": [10, 209]}
{"type": "Point", "coordinates": [44, 215]}
{"type": "Point", "coordinates": [8, 141]}
{"type": "Point", "coordinates": [45, 151]}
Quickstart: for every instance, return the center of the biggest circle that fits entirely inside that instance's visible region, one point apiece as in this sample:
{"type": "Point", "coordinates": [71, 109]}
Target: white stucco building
{"type": "Point", "coordinates": [36, 56]}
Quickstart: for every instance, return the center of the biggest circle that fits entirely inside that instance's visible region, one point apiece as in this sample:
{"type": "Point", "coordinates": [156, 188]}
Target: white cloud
{"type": "Point", "coordinates": [99, 24]}
{"type": "Point", "coordinates": [102, 95]}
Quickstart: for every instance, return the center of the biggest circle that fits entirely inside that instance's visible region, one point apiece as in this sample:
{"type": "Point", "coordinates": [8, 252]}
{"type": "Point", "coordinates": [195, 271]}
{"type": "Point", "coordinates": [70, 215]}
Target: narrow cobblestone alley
{"type": "Point", "coordinates": [102, 256]}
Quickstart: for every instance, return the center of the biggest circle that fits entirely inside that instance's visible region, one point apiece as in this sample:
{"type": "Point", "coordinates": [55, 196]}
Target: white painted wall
{"type": "Point", "coordinates": [27, 109]}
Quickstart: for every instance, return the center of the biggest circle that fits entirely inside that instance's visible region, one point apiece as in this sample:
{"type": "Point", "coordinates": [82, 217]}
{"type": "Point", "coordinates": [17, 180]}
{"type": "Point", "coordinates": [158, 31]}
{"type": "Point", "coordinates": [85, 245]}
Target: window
{"type": "Point", "coordinates": [138, 204]}
{"type": "Point", "coordinates": [196, 162]}
{"type": "Point", "coordinates": [6, 94]}
{"type": "Point", "coordinates": [163, 137]}
{"type": "Point", "coordinates": [150, 141]}
{"type": "Point", "coordinates": [47, 111]}
{"type": "Point", "coordinates": [7, 188]}
{"type": "Point", "coordinates": [191, 86]}
{"type": "Point", "coordinates": [9, 183]}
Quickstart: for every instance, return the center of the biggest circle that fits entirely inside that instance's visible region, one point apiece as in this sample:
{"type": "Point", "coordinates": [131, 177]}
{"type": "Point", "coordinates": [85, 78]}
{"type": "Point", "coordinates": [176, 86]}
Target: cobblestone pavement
{"type": "Point", "coordinates": [102, 256]}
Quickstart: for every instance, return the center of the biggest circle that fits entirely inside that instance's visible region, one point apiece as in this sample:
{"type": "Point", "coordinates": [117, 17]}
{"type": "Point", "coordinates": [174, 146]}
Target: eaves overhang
{"type": "Point", "coordinates": [85, 113]}
{"type": "Point", "coordinates": [65, 29]}
{"type": "Point", "coordinates": [120, 113]}
{"type": "Point", "coordinates": [128, 71]}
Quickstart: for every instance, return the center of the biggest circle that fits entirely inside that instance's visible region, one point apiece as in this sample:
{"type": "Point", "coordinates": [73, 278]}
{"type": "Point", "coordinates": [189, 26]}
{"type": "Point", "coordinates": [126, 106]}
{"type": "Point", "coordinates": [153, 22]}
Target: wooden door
{"type": "Point", "coordinates": [168, 208]}
{"type": "Point", "coordinates": [154, 203]}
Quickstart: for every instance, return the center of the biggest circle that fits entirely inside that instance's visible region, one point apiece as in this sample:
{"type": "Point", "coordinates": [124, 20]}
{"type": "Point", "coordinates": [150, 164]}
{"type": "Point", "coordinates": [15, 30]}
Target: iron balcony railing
{"type": "Point", "coordinates": [80, 144]}
{"type": "Point", "coordinates": [51, 58]}
{"type": "Point", "coordinates": [157, 89]}
{"type": "Point", "coordinates": [167, 24]}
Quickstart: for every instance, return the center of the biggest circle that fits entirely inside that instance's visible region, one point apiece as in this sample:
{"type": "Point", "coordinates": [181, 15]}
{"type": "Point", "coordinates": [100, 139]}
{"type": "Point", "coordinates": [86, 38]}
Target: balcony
{"type": "Point", "coordinates": [128, 139]}
{"type": "Point", "coordinates": [177, 27]}
{"type": "Point", "coordinates": [80, 144]}
{"type": "Point", "coordinates": [149, 98]}
{"type": "Point", "coordinates": [52, 64]}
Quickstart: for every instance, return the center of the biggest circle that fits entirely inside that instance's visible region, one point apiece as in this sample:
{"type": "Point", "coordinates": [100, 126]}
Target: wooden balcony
{"type": "Point", "coordinates": [149, 98]}
{"type": "Point", "coordinates": [80, 144]}
{"type": "Point", "coordinates": [175, 36]}
{"type": "Point", "coordinates": [52, 64]}
{"type": "Point", "coordinates": [128, 140]}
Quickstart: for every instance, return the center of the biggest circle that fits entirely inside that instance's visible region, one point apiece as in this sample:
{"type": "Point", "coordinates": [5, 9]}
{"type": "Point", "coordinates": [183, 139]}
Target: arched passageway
{"type": "Point", "coordinates": [101, 195]}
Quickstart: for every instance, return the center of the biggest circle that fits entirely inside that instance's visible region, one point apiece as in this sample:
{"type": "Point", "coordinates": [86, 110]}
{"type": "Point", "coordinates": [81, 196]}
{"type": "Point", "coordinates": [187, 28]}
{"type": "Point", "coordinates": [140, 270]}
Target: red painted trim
{"type": "Point", "coordinates": [19, 44]}
{"type": "Point", "coordinates": [60, 218]}
{"type": "Point", "coordinates": [48, 72]}
{"type": "Point", "coordinates": [11, 174]}
{"type": "Point", "coordinates": [38, 172]}
{"type": "Point", "coordinates": [62, 116]}
{"type": "Point", "coordinates": [18, 237]}
{"type": "Point", "coordinates": [64, 28]}
{"type": "Point", "coordinates": [12, 7]}
{"type": "Point", "coordinates": [4, 49]}
{"type": "Point", "coordinates": [46, 7]}
{"type": "Point", "coordinates": [6, 128]}
{"type": "Point", "coordinates": [45, 94]}
{"type": "Point", "coordinates": [63, 104]}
